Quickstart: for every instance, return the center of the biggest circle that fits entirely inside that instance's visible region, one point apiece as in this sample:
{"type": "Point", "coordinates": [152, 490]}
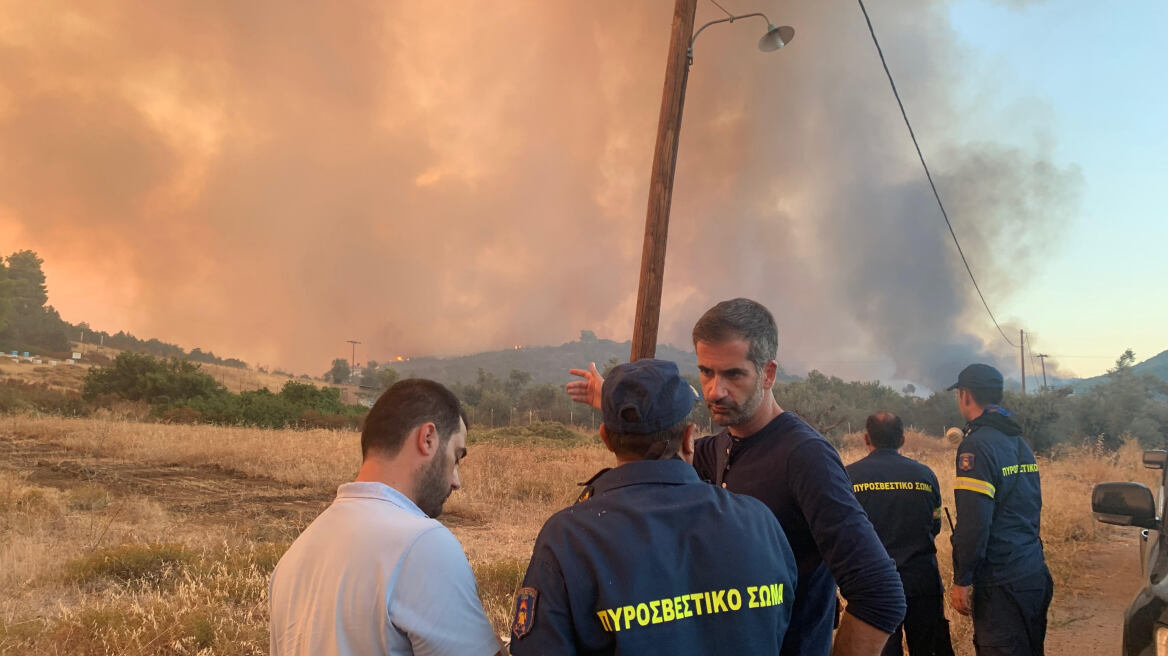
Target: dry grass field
{"type": "Point", "coordinates": [133, 538]}
{"type": "Point", "coordinates": [61, 377]}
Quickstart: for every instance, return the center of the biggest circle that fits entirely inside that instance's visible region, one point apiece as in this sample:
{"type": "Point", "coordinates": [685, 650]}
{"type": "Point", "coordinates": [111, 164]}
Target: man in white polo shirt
{"type": "Point", "coordinates": [375, 573]}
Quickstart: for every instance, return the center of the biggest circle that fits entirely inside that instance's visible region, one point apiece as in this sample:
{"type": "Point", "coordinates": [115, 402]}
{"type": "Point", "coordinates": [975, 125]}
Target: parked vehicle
{"type": "Point", "coordinates": [1145, 624]}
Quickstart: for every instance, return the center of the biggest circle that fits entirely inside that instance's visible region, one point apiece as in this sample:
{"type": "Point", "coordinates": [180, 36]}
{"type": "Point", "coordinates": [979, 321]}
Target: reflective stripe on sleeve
{"type": "Point", "coordinates": [937, 514]}
{"type": "Point", "coordinates": [974, 485]}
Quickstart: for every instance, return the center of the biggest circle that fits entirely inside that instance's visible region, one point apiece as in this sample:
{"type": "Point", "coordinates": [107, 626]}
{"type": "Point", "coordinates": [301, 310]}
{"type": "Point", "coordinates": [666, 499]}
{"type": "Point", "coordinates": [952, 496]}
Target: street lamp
{"type": "Point", "coordinates": [775, 37]}
{"type": "Point", "coordinates": [665, 163]}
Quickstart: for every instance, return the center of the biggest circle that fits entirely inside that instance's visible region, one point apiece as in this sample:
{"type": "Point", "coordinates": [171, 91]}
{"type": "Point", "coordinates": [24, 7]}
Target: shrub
{"type": "Point", "coordinates": [88, 497]}
{"type": "Point", "coordinates": [181, 415]}
{"type": "Point", "coordinates": [180, 393]}
{"type": "Point", "coordinates": [17, 497]}
{"type": "Point", "coordinates": [214, 606]}
{"type": "Point", "coordinates": [325, 400]}
{"type": "Point", "coordinates": [19, 396]}
{"type": "Point", "coordinates": [313, 419]}
{"type": "Point", "coordinates": [130, 563]}
{"type": "Point", "coordinates": [550, 433]}
{"type": "Point", "coordinates": [264, 409]}
{"type": "Point", "coordinates": [138, 377]}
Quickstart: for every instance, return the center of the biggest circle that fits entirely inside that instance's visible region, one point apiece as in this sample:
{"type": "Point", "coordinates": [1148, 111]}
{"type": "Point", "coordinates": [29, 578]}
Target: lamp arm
{"type": "Point", "coordinates": [731, 19]}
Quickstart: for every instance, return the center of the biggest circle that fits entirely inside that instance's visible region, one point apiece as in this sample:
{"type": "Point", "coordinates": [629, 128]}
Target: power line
{"type": "Point", "coordinates": [929, 175]}
{"type": "Point", "coordinates": [722, 8]}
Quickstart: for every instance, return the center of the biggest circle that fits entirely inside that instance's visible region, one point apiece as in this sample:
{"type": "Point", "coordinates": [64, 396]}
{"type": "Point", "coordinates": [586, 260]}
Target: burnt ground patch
{"type": "Point", "coordinates": [205, 493]}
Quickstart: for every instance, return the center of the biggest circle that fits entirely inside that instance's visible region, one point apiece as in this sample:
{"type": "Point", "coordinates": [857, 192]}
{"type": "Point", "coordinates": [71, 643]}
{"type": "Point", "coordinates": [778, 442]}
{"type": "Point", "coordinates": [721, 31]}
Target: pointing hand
{"type": "Point", "coordinates": [586, 391]}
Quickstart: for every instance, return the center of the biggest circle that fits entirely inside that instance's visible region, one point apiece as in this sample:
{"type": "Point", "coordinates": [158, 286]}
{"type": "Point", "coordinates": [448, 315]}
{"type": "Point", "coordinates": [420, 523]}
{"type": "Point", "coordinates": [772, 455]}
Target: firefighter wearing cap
{"type": "Point", "coordinates": [655, 561]}
{"type": "Point", "coordinates": [999, 572]}
{"type": "Point", "coordinates": [903, 500]}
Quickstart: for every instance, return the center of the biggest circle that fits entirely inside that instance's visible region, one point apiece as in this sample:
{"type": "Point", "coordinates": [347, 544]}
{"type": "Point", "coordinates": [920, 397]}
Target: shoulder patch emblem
{"type": "Point", "coordinates": [965, 462]}
{"type": "Point", "coordinates": [524, 612]}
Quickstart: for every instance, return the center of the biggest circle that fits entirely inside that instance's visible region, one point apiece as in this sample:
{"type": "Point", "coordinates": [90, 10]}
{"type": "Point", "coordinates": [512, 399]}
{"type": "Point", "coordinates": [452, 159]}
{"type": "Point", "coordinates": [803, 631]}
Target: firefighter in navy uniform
{"type": "Point", "coordinates": [903, 500]}
{"type": "Point", "coordinates": [999, 572]}
{"type": "Point", "coordinates": [654, 560]}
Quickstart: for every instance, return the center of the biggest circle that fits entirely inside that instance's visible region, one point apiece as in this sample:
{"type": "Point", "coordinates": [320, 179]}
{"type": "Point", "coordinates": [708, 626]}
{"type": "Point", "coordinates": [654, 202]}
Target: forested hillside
{"type": "Point", "coordinates": [29, 323]}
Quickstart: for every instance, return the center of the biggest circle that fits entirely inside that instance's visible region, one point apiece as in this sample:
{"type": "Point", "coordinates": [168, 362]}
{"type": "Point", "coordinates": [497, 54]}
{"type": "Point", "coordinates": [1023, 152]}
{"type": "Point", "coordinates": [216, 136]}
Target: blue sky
{"type": "Point", "coordinates": [1090, 74]}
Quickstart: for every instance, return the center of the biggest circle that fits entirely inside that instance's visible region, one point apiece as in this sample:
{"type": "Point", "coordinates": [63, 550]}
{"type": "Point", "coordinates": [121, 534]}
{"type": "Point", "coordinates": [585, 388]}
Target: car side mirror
{"type": "Point", "coordinates": [1155, 459]}
{"type": "Point", "coordinates": [1124, 504]}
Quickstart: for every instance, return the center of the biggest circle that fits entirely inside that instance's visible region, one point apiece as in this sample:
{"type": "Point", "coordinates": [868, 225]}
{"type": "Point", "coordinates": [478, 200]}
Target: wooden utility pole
{"type": "Point", "coordinates": [661, 183]}
{"type": "Point", "coordinates": [1022, 352]}
{"type": "Point", "coordinates": [353, 358]}
{"type": "Point", "coordinates": [1042, 358]}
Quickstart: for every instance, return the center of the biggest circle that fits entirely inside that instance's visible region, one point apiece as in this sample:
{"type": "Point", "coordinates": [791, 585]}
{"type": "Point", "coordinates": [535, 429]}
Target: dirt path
{"type": "Point", "coordinates": [1091, 622]}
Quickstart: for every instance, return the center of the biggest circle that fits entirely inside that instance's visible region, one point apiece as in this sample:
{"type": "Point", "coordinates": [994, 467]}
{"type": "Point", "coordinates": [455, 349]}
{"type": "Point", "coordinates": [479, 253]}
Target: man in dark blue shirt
{"type": "Point", "coordinates": [999, 571]}
{"type": "Point", "coordinates": [653, 560]}
{"type": "Point", "coordinates": [779, 459]}
{"type": "Point", "coordinates": [903, 500]}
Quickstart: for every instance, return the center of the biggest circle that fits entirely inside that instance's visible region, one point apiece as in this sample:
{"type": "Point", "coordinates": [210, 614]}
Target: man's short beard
{"type": "Point", "coordinates": [433, 489]}
{"type": "Point", "coordinates": [743, 413]}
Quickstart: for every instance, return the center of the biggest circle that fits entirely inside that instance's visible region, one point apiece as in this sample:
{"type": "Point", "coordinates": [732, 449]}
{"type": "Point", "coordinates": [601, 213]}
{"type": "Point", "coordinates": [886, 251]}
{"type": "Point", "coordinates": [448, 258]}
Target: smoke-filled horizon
{"type": "Point", "coordinates": [436, 179]}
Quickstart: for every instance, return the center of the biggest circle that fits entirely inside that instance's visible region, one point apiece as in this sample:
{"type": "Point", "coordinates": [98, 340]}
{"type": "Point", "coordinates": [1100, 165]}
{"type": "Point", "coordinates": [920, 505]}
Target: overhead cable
{"type": "Point", "coordinates": [929, 176]}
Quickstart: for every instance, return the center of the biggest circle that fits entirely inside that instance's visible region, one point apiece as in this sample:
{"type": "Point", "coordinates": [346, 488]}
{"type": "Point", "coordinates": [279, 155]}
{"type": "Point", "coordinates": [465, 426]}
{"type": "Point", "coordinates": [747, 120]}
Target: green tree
{"type": "Point", "coordinates": [28, 290]}
{"type": "Point", "coordinates": [934, 414]}
{"type": "Point", "coordinates": [493, 409]}
{"type": "Point", "coordinates": [1126, 403]}
{"type": "Point", "coordinates": [1123, 363]}
{"type": "Point", "coordinates": [386, 377]}
{"type": "Point", "coordinates": [816, 402]}
{"type": "Point", "coordinates": [369, 375]}
{"type": "Point", "coordinates": [1039, 415]}
{"type": "Point", "coordinates": [5, 296]}
{"type": "Point", "coordinates": [516, 381]}
{"type": "Point", "coordinates": [834, 406]}
{"type": "Point", "coordinates": [609, 366]}
{"type": "Point", "coordinates": [541, 399]}
{"type": "Point", "coordinates": [28, 323]}
{"type": "Point", "coordinates": [340, 371]}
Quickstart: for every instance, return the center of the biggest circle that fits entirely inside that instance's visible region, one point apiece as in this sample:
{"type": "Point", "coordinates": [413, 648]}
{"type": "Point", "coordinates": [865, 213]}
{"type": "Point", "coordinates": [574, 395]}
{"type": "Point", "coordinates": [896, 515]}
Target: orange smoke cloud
{"type": "Point", "coordinates": [268, 181]}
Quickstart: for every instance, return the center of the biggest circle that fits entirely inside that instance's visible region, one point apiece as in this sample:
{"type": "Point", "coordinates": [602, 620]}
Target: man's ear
{"type": "Point", "coordinates": [687, 443]}
{"type": "Point", "coordinates": [867, 440]}
{"type": "Point", "coordinates": [425, 437]}
{"type": "Point", "coordinates": [604, 438]}
{"type": "Point", "coordinates": [769, 372]}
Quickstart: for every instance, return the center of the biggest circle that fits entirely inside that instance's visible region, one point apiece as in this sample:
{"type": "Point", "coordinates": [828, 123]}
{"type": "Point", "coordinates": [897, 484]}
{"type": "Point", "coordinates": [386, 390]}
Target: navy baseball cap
{"type": "Point", "coordinates": [645, 397]}
{"type": "Point", "coordinates": [978, 376]}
